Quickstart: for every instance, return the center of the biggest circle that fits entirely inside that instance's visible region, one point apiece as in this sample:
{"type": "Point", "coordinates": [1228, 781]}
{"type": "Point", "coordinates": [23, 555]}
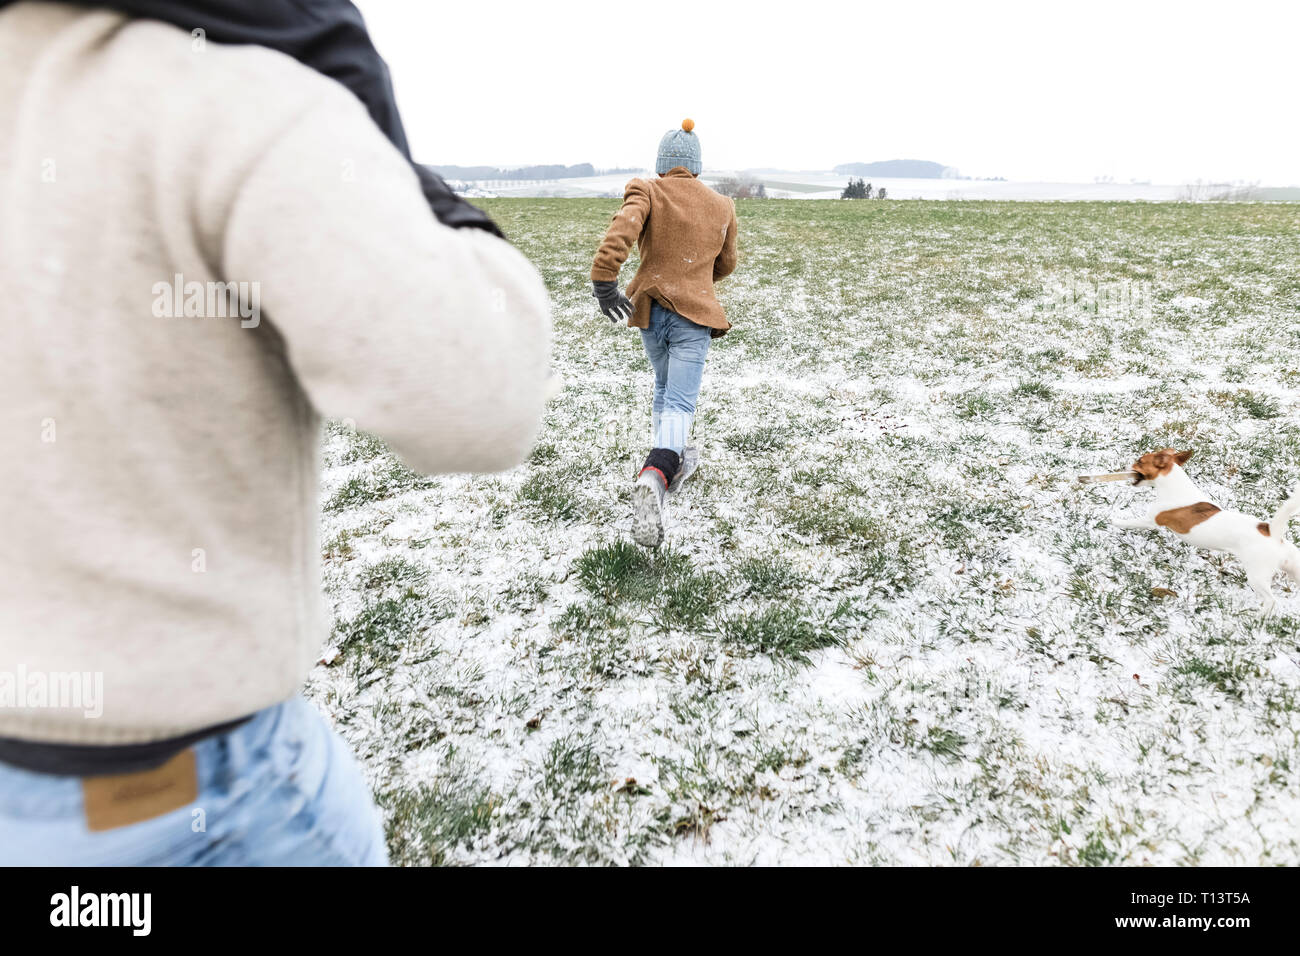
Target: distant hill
{"type": "Point", "coordinates": [899, 169]}
{"type": "Point", "coordinates": [522, 172]}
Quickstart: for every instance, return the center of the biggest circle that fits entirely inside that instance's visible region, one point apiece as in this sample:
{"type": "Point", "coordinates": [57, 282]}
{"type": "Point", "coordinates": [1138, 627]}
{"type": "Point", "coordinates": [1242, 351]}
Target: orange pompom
{"type": "Point", "coordinates": [688, 124]}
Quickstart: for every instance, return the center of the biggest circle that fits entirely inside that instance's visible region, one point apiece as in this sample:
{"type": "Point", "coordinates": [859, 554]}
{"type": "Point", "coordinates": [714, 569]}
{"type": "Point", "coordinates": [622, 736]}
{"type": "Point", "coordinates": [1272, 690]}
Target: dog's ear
{"type": "Point", "coordinates": [1183, 457]}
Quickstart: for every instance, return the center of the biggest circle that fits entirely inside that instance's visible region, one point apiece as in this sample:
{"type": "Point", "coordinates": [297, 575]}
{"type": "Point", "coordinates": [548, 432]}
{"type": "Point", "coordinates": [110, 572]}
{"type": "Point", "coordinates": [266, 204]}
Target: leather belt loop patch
{"type": "Point", "coordinates": [122, 799]}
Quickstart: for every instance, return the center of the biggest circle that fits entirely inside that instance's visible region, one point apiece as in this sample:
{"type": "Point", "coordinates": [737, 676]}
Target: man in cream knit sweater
{"type": "Point", "coordinates": [204, 250]}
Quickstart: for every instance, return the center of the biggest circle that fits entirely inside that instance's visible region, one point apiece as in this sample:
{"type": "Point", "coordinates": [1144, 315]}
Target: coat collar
{"type": "Point", "coordinates": [678, 172]}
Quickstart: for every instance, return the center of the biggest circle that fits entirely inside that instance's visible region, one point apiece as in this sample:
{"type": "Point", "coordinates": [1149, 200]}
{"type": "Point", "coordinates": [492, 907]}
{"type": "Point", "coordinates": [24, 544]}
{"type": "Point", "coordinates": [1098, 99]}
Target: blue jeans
{"type": "Point", "coordinates": [280, 790]}
{"type": "Point", "coordinates": [677, 348]}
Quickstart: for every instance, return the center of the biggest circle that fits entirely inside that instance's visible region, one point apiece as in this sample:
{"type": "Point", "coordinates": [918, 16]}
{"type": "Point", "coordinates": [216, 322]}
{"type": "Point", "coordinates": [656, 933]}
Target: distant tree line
{"type": "Point", "coordinates": [741, 187]}
{"type": "Point", "coordinates": [858, 189]}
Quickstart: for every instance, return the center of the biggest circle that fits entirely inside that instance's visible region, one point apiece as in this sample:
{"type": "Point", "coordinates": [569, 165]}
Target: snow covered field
{"type": "Point", "coordinates": [888, 625]}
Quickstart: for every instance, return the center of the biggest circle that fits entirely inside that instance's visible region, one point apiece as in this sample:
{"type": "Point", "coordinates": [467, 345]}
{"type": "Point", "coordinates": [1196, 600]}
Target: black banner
{"type": "Point", "coordinates": [1226, 906]}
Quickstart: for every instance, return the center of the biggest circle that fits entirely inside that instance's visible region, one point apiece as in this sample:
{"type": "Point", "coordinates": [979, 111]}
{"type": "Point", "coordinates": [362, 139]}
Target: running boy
{"type": "Point", "coordinates": [686, 234]}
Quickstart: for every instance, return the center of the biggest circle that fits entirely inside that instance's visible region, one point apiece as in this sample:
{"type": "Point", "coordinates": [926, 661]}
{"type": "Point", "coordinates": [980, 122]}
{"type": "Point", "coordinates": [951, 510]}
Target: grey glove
{"type": "Point", "coordinates": [614, 305]}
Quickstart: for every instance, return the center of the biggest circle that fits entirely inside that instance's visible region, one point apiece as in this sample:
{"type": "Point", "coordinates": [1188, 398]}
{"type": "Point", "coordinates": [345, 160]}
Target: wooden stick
{"type": "Point", "coordinates": [1113, 476]}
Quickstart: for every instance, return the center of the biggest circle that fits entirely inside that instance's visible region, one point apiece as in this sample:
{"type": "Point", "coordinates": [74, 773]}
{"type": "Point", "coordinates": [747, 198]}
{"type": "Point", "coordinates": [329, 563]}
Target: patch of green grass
{"type": "Point", "coordinates": [959, 522]}
{"type": "Point", "coordinates": [763, 438]}
{"type": "Point", "coordinates": [770, 577]}
{"type": "Point", "coordinates": [1038, 390]}
{"type": "Point", "coordinates": [819, 477]}
{"type": "Point", "coordinates": [392, 572]}
{"type": "Point", "coordinates": [1227, 678]}
{"type": "Point", "coordinates": [784, 631]}
{"type": "Point", "coordinates": [944, 743]}
{"type": "Point", "coordinates": [527, 591]}
{"type": "Point", "coordinates": [571, 767]}
{"type": "Point", "coordinates": [974, 405]}
{"type": "Point", "coordinates": [591, 641]}
{"type": "Point", "coordinates": [543, 453]}
{"type": "Point", "coordinates": [397, 609]}
{"type": "Point", "coordinates": [1048, 358]}
{"type": "Point", "coordinates": [617, 571]}
{"type": "Point", "coordinates": [357, 445]}
{"type": "Point", "coordinates": [425, 824]}
{"type": "Point", "coordinates": [552, 492]}
{"type": "Point", "coordinates": [834, 522]}
{"type": "Point", "coordinates": [677, 596]}
{"type": "Point", "coordinates": [622, 571]}
{"type": "Point", "coordinates": [384, 628]}
{"type": "Point", "coordinates": [1094, 852]}
{"type": "Point", "coordinates": [1254, 404]}
{"type": "Point", "coordinates": [687, 601]}
{"type": "Point", "coordinates": [584, 619]}
{"type": "Point", "coordinates": [388, 479]}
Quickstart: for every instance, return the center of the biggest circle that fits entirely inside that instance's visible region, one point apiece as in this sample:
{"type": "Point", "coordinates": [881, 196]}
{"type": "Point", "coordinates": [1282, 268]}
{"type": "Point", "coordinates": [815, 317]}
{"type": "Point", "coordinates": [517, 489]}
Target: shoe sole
{"type": "Point", "coordinates": [647, 517]}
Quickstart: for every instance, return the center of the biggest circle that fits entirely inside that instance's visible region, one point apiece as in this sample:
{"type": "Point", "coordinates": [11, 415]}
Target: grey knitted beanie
{"type": "Point", "coordinates": [679, 147]}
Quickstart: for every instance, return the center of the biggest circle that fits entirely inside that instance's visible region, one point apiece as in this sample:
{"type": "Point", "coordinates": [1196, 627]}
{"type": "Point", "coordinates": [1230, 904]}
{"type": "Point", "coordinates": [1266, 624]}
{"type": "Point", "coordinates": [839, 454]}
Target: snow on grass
{"type": "Point", "coordinates": [887, 626]}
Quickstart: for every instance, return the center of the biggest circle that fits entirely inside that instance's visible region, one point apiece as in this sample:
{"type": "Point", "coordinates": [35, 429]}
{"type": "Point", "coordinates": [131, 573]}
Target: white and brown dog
{"type": "Point", "coordinates": [1184, 509]}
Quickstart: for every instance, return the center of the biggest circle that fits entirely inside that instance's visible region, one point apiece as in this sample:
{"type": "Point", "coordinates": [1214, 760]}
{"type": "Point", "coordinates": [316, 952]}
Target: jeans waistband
{"type": "Point", "coordinates": [88, 760]}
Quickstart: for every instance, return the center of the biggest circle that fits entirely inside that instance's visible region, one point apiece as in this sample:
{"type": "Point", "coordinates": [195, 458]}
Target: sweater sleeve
{"type": "Point", "coordinates": [725, 264]}
{"type": "Point", "coordinates": [624, 230]}
{"type": "Point", "coordinates": [433, 338]}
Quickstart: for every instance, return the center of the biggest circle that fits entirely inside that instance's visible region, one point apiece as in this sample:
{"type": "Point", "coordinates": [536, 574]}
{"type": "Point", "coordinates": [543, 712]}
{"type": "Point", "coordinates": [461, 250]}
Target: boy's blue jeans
{"type": "Point", "coordinates": [677, 348]}
{"type": "Point", "coordinates": [280, 790]}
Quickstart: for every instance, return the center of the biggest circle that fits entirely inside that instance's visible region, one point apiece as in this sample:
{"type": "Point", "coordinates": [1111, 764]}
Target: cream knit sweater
{"type": "Point", "coordinates": [158, 469]}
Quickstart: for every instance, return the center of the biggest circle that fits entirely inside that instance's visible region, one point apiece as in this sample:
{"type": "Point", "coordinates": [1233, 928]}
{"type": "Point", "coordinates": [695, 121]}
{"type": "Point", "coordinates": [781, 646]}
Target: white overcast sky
{"type": "Point", "coordinates": [1053, 90]}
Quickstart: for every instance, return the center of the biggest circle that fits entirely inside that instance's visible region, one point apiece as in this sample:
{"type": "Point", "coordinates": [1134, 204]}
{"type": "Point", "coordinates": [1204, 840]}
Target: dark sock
{"type": "Point", "coordinates": [665, 461]}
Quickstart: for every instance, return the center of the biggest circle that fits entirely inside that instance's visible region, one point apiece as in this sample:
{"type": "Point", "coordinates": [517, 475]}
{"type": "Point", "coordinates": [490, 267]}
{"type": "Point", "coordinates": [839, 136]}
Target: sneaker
{"type": "Point", "coordinates": [690, 461]}
{"type": "Point", "coordinates": [648, 510]}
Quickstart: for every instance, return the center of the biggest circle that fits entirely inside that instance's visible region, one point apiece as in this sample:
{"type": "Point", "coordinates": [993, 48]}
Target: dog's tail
{"type": "Point", "coordinates": [1277, 525]}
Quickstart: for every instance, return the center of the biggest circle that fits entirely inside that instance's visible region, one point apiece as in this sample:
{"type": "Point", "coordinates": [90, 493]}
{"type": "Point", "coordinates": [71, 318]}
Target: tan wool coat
{"type": "Point", "coordinates": [686, 233]}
